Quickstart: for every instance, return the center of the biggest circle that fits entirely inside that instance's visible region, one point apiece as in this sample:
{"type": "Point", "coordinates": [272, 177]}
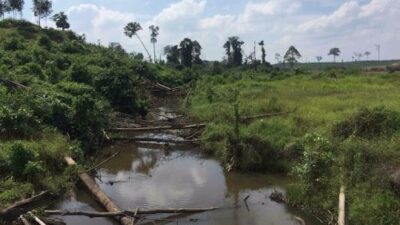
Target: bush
{"type": "Point", "coordinates": [369, 123]}
{"type": "Point", "coordinates": [118, 86]}
{"type": "Point", "coordinates": [80, 74]}
{"type": "Point", "coordinates": [17, 123]}
{"type": "Point", "coordinates": [12, 44]}
{"type": "Point", "coordinates": [20, 156]}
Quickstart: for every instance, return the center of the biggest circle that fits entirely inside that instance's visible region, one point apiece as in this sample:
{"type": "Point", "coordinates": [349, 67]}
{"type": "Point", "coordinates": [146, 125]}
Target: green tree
{"type": "Point", "coordinates": [319, 58]}
{"type": "Point", "coordinates": [154, 33]}
{"type": "Point", "coordinates": [278, 57]}
{"type": "Point", "coordinates": [196, 53]}
{"type": "Point", "coordinates": [263, 54]}
{"type": "Point", "coordinates": [42, 9]}
{"type": "Point", "coordinates": [61, 20]}
{"type": "Point", "coordinates": [3, 8]}
{"type": "Point", "coordinates": [292, 55]}
{"type": "Point", "coordinates": [132, 29]}
{"type": "Point", "coordinates": [228, 52]}
{"type": "Point", "coordinates": [186, 50]}
{"type": "Point", "coordinates": [15, 5]}
{"type": "Point", "coordinates": [172, 53]}
{"type": "Point", "coordinates": [234, 50]}
{"type": "Point", "coordinates": [334, 52]}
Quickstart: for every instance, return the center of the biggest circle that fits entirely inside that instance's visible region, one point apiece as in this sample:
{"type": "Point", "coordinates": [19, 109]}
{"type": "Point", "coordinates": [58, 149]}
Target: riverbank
{"type": "Point", "coordinates": [343, 130]}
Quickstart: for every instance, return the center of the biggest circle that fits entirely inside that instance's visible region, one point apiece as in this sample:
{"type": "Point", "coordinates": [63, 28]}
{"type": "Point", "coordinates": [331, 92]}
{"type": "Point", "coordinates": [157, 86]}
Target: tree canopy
{"type": "Point", "coordinates": [234, 50]}
{"type": "Point", "coordinates": [292, 55]}
{"type": "Point", "coordinates": [334, 52]}
{"type": "Point", "coordinates": [61, 20]}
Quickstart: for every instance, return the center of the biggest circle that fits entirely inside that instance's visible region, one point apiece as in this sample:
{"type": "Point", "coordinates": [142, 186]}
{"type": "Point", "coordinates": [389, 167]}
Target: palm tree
{"type": "Point", "coordinates": [335, 52]}
{"type": "Point", "coordinates": [154, 33]}
{"type": "Point", "coordinates": [132, 29]}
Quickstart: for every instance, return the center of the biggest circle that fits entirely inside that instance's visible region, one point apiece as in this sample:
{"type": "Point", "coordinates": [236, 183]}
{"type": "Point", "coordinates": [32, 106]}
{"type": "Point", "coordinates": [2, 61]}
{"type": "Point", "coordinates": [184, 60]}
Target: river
{"type": "Point", "coordinates": [155, 176]}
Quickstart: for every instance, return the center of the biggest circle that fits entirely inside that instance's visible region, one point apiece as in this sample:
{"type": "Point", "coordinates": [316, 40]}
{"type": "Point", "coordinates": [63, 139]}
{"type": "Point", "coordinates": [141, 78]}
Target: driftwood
{"type": "Point", "coordinates": [300, 220]}
{"type": "Point", "coordinates": [127, 212]}
{"type": "Point", "coordinates": [12, 84]}
{"type": "Point", "coordinates": [158, 140]}
{"type": "Point", "coordinates": [37, 220]}
{"type": "Point", "coordinates": [23, 220]}
{"type": "Point", "coordinates": [160, 128]}
{"type": "Point", "coordinates": [21, 207]}
{"type": "Point", "coordinates": [99, 195]}
{"type": "Point", "coordinates": [342, 205]}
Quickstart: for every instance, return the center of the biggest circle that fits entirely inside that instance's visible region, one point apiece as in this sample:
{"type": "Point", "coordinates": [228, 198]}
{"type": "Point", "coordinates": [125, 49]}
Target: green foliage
{"type": "Point", "coordinates": [80, 74]}
{"type": "Point", "coordinates": [118, 86]}
{"type": "Point", "coordinates": [369, 123]}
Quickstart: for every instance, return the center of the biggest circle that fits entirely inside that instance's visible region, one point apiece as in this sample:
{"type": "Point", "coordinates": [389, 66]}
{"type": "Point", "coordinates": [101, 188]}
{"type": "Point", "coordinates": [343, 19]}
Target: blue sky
{"type": "Point", "coordinates": [313, 26]}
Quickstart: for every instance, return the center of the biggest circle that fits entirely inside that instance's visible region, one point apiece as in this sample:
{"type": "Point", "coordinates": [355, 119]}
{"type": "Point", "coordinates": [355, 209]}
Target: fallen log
{"type": "Point", "coordinates": [247, 118]}
{"type": "Point", "coordinates": [12, 84]}
{"type": "Point", "coordinates": [23, 220]}
{"type": "Point", "coordinates": [160, 128]}
{"type": "Point", "coordinates": [99, 195]}
{"type": "Point", "coordinates": [127, 212]}
{"type": "Point", "coordinates": [158, 140]}
{"type": "Point", "coordinates": [13, 211]}
{"type": "Point", "coordinates": [37, 220]}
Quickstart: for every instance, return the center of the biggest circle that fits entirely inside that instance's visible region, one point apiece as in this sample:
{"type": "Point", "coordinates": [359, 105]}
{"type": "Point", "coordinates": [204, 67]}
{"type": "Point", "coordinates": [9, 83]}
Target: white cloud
{"type": "Point", "coordinates": [180, 10]}
{"type": "Point", "coordinates": [99, 23]}
{"type": "Point", "coordinates": [216, 21]}
{"type": "Point", "coordinates": [354, 25]}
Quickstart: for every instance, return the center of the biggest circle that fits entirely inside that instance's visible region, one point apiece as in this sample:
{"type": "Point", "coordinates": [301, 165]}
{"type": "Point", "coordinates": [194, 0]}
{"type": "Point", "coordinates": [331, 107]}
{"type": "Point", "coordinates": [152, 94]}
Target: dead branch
{"type": "Point", "coordinates": [157, 140]}
{"type": "Point", "coordinates": [13, 211]}
{"type": "Point", "coordinates": [23, 220]}
{"type": "Point", "coordinates": [12, 84]}
{"type": "Point", "coordinates": [247, 118]}
{"type": "Point", "coordinates": [160, 128]}
{"type": "Point", "coordinates": [103, 162]}
{"type": "Point", "coordinates": [127, 212]}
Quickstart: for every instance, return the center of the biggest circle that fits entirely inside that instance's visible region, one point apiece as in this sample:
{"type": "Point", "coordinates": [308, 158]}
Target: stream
{"type": "Point", "coordinates": [148, 175]}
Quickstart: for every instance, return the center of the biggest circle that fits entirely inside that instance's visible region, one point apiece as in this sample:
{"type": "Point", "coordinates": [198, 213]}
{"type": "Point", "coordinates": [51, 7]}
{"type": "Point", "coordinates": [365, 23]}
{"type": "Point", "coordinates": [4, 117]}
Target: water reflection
{"type": "Point", "coordinates": [145, 176]}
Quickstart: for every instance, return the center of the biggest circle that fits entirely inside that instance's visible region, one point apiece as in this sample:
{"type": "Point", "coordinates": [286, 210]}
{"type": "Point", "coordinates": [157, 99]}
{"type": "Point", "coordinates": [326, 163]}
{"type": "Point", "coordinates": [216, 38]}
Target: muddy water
{"type": "Point", "coordinates": [148, 176]}
{"type": "Point", "coordinates": [158, 176]}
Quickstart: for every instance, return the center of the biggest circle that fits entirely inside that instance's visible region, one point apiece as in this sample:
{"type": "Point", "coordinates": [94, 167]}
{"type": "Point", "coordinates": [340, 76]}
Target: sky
{"type": "Point", "coordinates": [312, 26]}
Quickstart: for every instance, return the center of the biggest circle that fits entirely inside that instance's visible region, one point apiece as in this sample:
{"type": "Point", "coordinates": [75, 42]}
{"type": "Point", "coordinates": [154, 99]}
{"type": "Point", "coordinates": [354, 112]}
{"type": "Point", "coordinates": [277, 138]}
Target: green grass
{"type": "Point", "coordinates": [303, 143]}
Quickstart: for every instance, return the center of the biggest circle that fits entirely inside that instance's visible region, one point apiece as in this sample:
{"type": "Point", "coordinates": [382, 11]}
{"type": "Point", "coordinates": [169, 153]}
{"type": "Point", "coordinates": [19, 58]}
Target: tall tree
{"type": "Point", "coordinates": [132, 29]}
{"type": "Point", "coordinates": [367, 53]}
{"type": "Point", "coordinates": [2, 8]}
{"type": "Point", "coordinates": [278, 57]}
{"type": "Point", "coordinates": [154, 33]}
{"type": "Point", "coordinates": [15, 5]}
{"type": "Point", "coordinates": [234, 50]}
{"type": "Point", "coordinates": [61, 20]}
{"type": "Point", "coordinates": [42, 9]}
{"type": "Point", "coordinates": [196, 53]}
{"type": "Point", "coordinates": [334, 52]}
{"type": "Point", "coordinates": [227, 47]}
{"type": "Point", "coordinates": [186, 50]}
{"type": "Point", "coordinates": [172, 53]}
{"type": "Point", "coordinates": [319, 58]}
{"type": "Point", "coordinates": [263, 54]}
{"type": "Point", "coordinates": [292, 55]}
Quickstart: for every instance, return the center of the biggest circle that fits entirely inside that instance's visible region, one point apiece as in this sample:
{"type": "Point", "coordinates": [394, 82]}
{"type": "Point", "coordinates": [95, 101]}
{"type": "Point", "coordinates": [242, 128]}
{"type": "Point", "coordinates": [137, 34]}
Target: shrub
{"type": "Point", "coordinates": [369, 123]}
{"type": "Point", "coordinates": [20, 156]}
{"type": "Point", "coordinates": [17, 123]}
{"type": "Point", "coordinates": [45, 42]}
{"type": "Point", "coordinates": [12, 44]}
{"type": "Point", "coordinates": [80, 74]}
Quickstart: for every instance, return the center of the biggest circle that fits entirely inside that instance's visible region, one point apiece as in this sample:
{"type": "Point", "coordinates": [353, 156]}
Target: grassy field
{"type": "Point", "coordinates": [309, 143]}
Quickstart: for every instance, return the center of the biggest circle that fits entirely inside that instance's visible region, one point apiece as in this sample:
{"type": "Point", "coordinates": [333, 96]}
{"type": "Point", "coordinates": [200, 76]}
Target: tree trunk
{"type": "Point", "coordinates": [99, 195]}
{"type": "Point", "coordinates": [342, 207]}
{"type": "Point", "coordinates": [138, 37]}
{"type": "Point", "coordinates": [160, 128]}
{"type": "Point", "coordinates": [154, 49]}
